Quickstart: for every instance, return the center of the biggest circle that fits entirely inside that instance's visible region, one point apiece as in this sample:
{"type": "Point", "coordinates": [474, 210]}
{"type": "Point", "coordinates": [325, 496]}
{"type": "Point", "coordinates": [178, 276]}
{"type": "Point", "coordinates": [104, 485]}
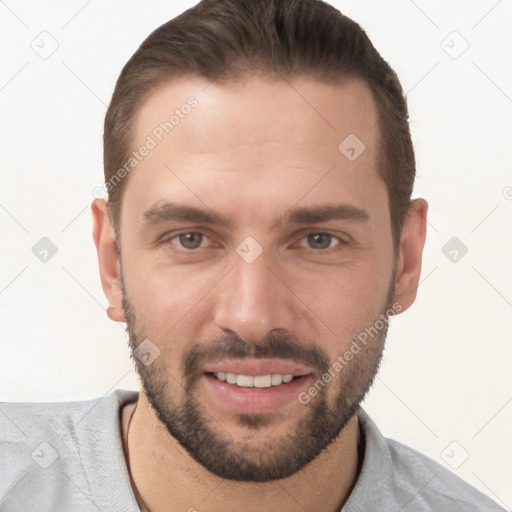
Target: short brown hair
{"type": "Point", "coordinates": [223, 40]}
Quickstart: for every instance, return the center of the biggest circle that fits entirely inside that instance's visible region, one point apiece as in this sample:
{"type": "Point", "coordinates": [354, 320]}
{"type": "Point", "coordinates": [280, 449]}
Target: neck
{"type": "Point", "coordinates": [165, 477]}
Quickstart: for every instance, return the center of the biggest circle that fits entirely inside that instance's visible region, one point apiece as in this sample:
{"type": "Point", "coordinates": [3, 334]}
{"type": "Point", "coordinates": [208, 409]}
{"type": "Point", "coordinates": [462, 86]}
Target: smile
{"type": "Point", "coordinates": [256, 381]}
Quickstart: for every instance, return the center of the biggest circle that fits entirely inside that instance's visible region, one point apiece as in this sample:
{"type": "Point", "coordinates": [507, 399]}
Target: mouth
{"type": "Point", "coordinates": [257, 381]}
{"type": "Point", "coordinates": [255, 386]}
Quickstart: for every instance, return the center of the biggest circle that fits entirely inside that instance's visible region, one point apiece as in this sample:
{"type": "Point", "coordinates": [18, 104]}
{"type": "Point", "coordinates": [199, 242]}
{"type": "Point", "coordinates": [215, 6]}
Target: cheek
{"type": "Point", "coordinates": [166, 298]}
{"type": "Point", "coordinates": [167, 303]}
{"type": "Point", "coordinates": [346, 301]}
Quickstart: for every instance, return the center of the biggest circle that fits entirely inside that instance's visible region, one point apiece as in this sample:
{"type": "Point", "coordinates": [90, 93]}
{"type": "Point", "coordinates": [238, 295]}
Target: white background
{"type": "Point", "coordinates": [446, 374]}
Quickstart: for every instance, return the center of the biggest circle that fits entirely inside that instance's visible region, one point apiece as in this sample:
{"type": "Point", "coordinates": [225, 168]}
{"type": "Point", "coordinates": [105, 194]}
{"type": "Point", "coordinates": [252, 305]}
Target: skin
{"type": "Point", "coordinates": [252, 151]}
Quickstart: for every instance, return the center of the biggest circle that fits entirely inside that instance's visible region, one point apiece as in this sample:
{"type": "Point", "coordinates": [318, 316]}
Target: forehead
{"type": "Point", "coordinates": [301, 111]}
{"type": "Point", "coordinates": [255, 139]}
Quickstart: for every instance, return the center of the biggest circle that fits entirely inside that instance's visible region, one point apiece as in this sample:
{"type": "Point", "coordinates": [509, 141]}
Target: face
{"type": "Point", "coordinates": [254, 253]}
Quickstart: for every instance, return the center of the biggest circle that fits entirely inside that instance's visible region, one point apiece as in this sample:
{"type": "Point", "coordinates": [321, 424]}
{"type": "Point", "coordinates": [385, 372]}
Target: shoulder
{"type": "Point", "coordinates": [432, 484]}
{"type": "Point", "coordinates": [47, 450]}
{"type": "Point", "coordinates": [23, 423]}
{"type": "Point", "coordinates": [400, 478]}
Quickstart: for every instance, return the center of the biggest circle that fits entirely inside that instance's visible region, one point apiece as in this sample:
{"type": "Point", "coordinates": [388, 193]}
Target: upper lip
{"type": "Point", "coordinates": [253, 367]}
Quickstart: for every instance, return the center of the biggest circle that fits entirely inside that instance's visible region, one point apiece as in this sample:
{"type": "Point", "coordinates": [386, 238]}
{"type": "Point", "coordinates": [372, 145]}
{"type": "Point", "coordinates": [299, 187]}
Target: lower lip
{"type": "Point", "coordinates": [254, 400]}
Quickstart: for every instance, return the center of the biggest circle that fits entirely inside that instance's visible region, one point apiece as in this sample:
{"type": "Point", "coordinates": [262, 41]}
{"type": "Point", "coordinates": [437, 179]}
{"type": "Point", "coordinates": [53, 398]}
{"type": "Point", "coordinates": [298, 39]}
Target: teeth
{"type": "Point", "coordinates": [244, 381]}
{"type": "Point", "coordinates": [263, 381]}
{"type": "Point", "coordinates": [259, 381]}
{"type": "Point", "coordinates": [276, 379]}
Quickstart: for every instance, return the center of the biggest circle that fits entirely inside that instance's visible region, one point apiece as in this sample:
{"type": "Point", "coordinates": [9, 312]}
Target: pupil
{"type": "Point", "coordinates": [319, 240]}
{"type": "Point", "coordinates": [191, 240]}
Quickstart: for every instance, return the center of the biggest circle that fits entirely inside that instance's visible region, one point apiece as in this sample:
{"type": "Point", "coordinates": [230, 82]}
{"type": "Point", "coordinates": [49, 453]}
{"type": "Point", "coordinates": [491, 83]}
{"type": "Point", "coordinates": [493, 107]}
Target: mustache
{"type": "Point", "coordinates": [277, 344]}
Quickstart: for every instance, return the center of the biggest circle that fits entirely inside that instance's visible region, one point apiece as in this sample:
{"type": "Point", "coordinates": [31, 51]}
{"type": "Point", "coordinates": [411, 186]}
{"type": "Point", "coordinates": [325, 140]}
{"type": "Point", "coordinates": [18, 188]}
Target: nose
{"type": "Point", "coordinates": [254, 299]}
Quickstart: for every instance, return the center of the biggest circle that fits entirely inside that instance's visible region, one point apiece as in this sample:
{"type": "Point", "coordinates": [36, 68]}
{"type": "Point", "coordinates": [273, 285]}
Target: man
{"type": "Point", "coordinates": [257, 238]}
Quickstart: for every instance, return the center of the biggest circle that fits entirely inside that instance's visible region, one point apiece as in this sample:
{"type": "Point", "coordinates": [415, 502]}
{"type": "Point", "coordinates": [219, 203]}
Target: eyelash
{"type": "Point", "coordinates": [167, 239]}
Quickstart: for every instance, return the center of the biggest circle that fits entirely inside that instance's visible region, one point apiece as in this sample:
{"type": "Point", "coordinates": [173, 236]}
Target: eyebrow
{"type": "Point", "coordinates": [315, 214]}
{"type": "Point", "coordinates": [173, 211]}
{"type": "Point", "coordinates": [305, 215]}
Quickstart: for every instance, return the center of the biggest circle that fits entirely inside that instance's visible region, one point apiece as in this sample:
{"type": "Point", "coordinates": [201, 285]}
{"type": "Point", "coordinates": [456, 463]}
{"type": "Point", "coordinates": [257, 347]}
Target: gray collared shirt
{"type": "Point", "coordinates": [69, 457]}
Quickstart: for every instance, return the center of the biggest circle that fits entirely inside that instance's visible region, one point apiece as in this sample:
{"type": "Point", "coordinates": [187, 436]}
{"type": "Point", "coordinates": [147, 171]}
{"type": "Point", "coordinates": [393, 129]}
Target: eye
{"type": "Point", "coordinates": [190, 240]}
{"type": "Point", "coordinates": [320, 241]}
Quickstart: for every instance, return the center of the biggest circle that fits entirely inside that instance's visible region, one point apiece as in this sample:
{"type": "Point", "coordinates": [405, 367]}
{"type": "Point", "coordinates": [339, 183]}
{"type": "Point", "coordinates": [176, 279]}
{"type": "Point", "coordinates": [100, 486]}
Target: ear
{"type": "Point", "coordinates": [408, 267]}
{"type": "Point", "coordinates": [108, 259]}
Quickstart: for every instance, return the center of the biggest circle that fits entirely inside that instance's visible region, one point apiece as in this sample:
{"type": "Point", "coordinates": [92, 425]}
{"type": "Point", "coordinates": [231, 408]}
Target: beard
{"type": "Point", "coordinates": [187, 420]}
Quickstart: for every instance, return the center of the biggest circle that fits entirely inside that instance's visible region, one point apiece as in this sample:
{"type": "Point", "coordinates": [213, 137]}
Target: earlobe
{"type": "Point", "coordinates": [116, 314]}
{"type": "Point", "coordinates": [410, 255]}
{"type": "Point", "coordinates": [108, 259]}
